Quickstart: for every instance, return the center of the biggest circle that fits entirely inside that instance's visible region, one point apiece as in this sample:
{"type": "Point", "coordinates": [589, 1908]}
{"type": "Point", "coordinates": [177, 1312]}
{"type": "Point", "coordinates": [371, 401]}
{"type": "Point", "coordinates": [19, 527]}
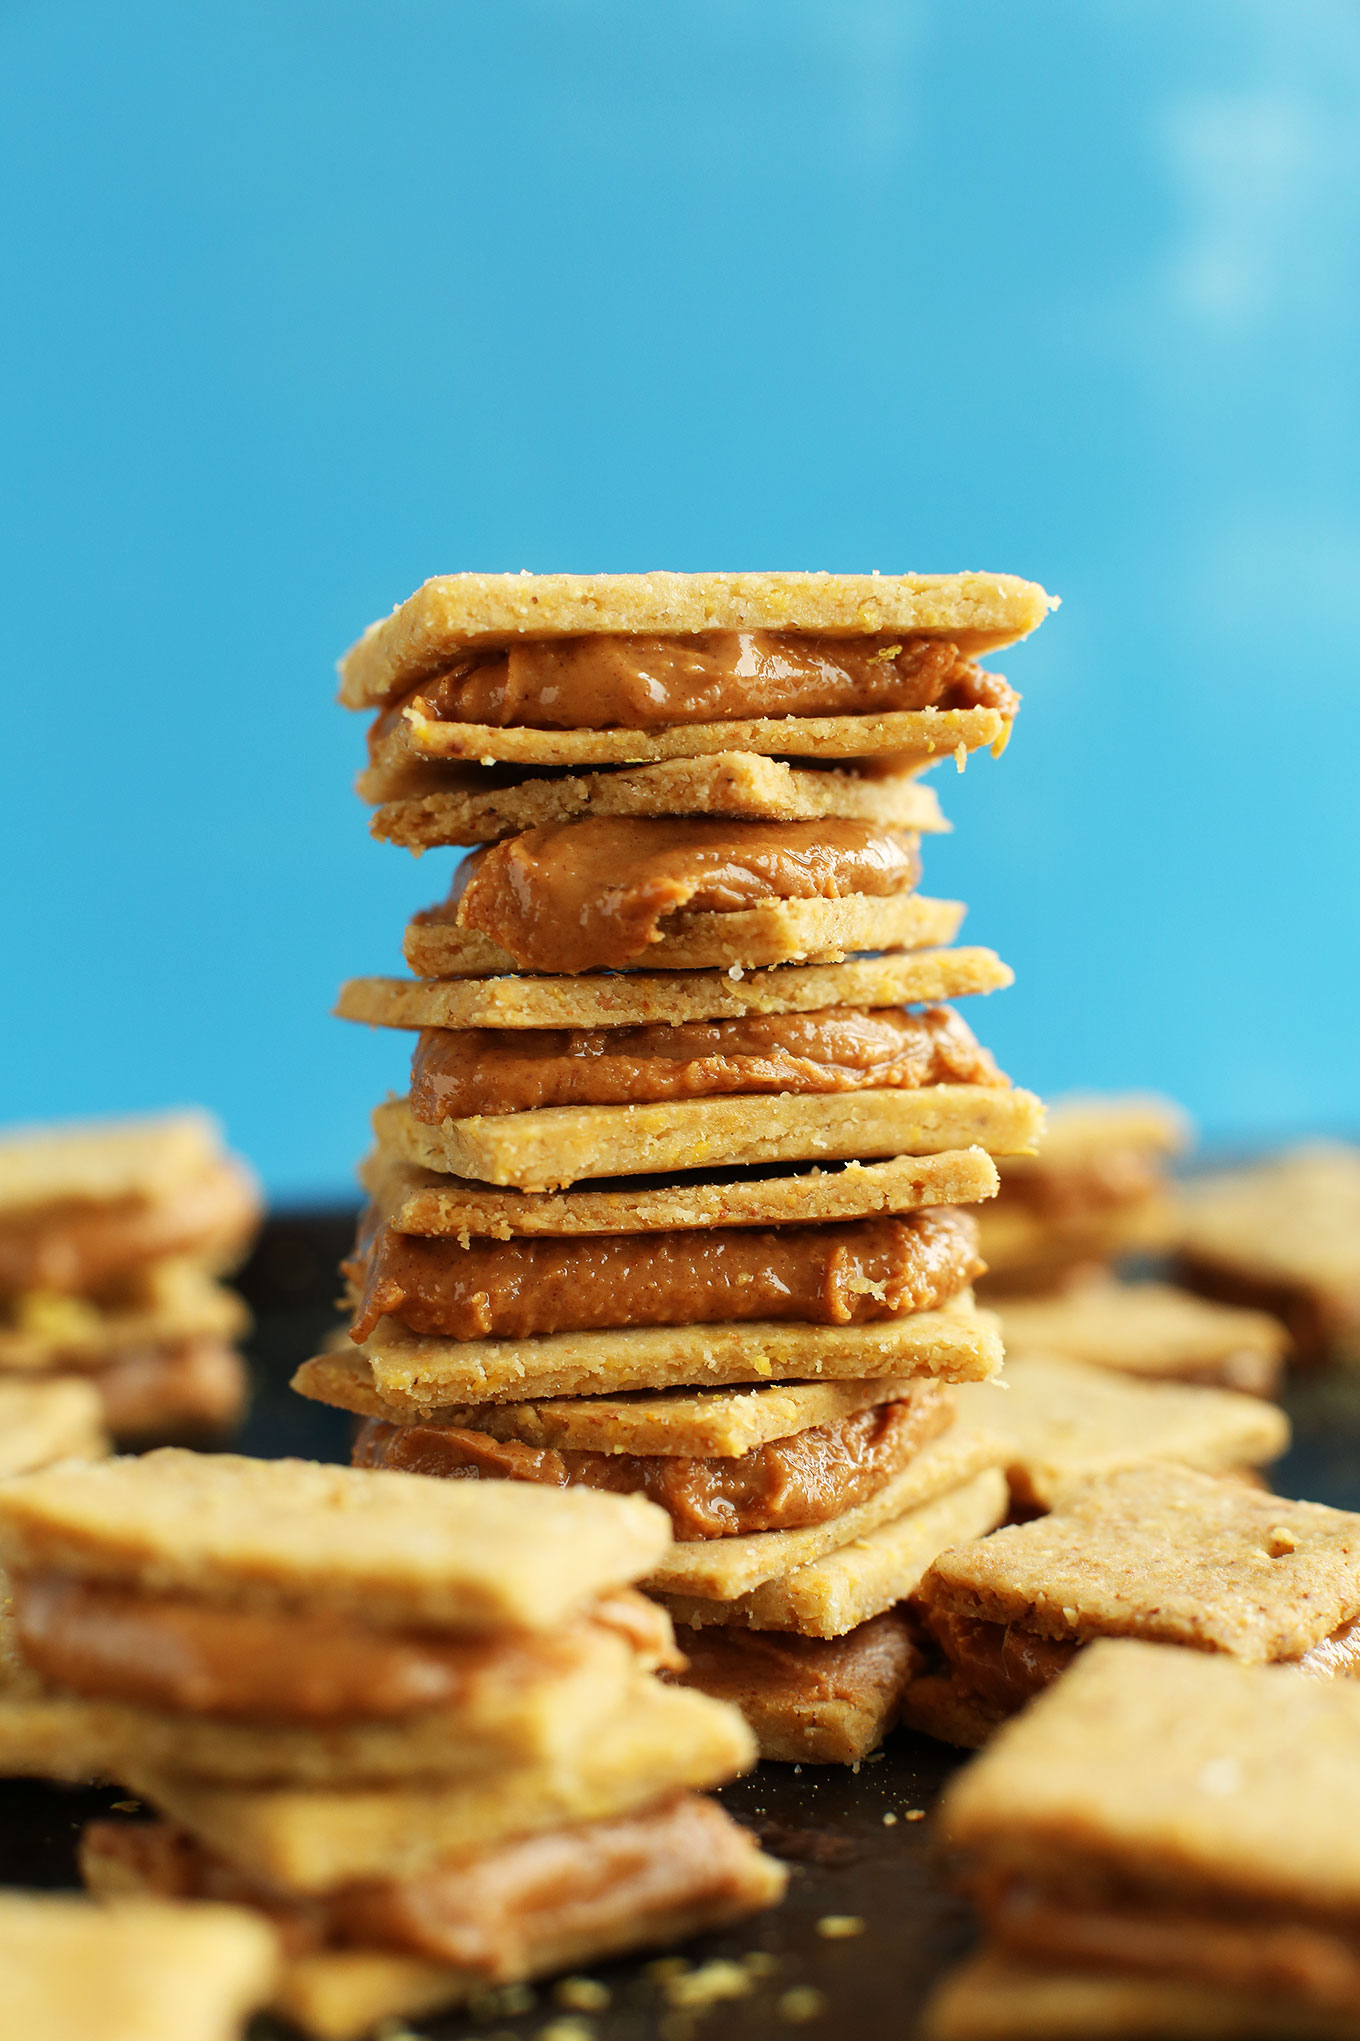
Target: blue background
{"type": "Point", "coordinates": [306, 302]}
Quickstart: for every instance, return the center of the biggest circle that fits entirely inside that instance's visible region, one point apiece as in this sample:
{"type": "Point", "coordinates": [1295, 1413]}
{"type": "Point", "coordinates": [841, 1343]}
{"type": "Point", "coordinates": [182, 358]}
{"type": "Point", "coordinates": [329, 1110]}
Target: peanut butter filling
{"type": "Point", "coordinates": [207, 1658]}
{"type": "Point", "coordinates": [1121, 1176]}
{"type": "Point", "coordinates": [1005, 1665]}
{"type": "Point", "coordinates": [592, 895]}
{"type": "Point", "coordinates": [1093, 1916]}
{"type": "Point", "coordinates": [644, 683]}
{"type": "Point", "coordinates": [188, 1386]}
{"type": "Point", "coordinates": [499, 1914]}
{"type": "Point", "coordinates": [841, 1274]}
{"type": "Point", "coordinates": [98, 1249]}
{"type": "Point", "coordinates": [804, 1479]}
{"type": "Point", "coordinates": [458, 1072]}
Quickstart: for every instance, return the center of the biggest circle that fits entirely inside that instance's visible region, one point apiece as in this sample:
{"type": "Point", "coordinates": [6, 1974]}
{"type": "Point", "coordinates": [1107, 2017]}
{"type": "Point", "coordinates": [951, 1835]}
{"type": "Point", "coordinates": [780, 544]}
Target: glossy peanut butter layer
{"type": "Point", "coordinates": [845, 1274]}
{"type": "Point", "coordinates": [807, 1478]}
{"type": "Point", "coordinates": [496, 1915]}
{"type": "Point", "coordinates": [458, 1072]}
{"type": "Point", "coordinates": [592, 895]}
{"type": "Point", "coordinates": [93, 1248]}
{"type": "Point", "coordinates": [115, 1644]}
{"type": "Point", "coordinates": [608, 682]}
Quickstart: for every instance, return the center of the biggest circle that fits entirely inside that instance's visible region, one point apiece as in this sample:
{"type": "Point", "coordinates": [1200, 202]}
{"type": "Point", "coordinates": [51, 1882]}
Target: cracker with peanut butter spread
{"type": "Point", "coordinates": [884, 1566]}
{"type": "Point", "coordinates": [723, 1569]}
{"type": "Point", "coordinates": [462, 1557]}
{"type": "Point", "coordinates": [428, 805]}
{"type": "Point", "coordinates": [413, 1377]}
{"type": "Point", "coordinates": [138, 1970]}
{"type": "Point", "coordinates": [160, 1303]}
{"type": "Point", "coordinates": [996, 1997]}
{"type": "Point", "coordinates": [516, 1701]}
{"type": "Point", "coordinates": [1283, 1236]}
{"type": "Point", "coordinates": [669, 998]}
{"type": "Point", "coordinates": [718, 1423]}
{"type": "Point", "coordinates": [521, 1909]}
{"type": "Point", "coordinates": [661, 1740]}
{"type": "Point", "coordinates": [452, 614]}
{"type": "Point", "coordinates": [45, 1421]}
{"type": "Point", "coordinates": [1152, 1330]}
{"type": "Point", "coordinates": [422, 1201]}
{"type": "Point", "coordinates": [1174, 1814]}
{"type": "Point", "coordinates": [1157, 1552]}
{"type": "Point", "coordinates": [809, 1700]}
{"type": "Point", "coordinates": [748, 939]}
{"type": "Point", "coordinates": [1064, 1421]}
{"type": "Point", "coordinates": [550, 1147]}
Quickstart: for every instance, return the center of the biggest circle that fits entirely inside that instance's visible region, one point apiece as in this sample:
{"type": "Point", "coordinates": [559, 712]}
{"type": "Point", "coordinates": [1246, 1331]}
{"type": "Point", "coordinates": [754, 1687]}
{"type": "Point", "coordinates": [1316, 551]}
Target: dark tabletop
{"type": "Point", "coordinates": [848, 1836]}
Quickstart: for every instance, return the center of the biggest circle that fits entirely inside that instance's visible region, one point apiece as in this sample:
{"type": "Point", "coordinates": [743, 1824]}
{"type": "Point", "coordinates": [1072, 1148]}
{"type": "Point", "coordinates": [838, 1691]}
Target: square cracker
{"type": "Point", "coordinates": [429, 805]}
{"type": "Point", "coordinates": [871, 1573]}
{"type": "Point", "coordinates": [1224, 1781]}
{"type": "Point", "coordinates": [414, 1377]}
{"type": "Point", "coordinates": [722, 1569]}
{"type": "Point", "coordinates": [661, 1740]}
{"type": "Point", "coordinates": [1064, 1421]}
{"type": "Point", "coordinates": [393, 1549]}
{"type": "Point", "coordinates": [808, 1699]}
{"type": "Point", "coordinates": [416, 1200]}
{"type": "Point", "coordinates": [688, 1423]}
{"type": "Point", "coordinates": [133, 1970]}
{"type": "Point", "coordinates": [1153, 1330]}
{"type": "Point", "coordinates": [1166, 1554]}
{"type": "Point", "coordinates": [748, 939]}
{"type": "Point", "coordinates": [45, 1421]}
{"type": "Point", "coordinates": [909, 736]}
{"type": "Point", "coordinates": [454, 613]}
{"type": "Point", "coordinates": [99, 1161]}
{"type": "Point", "coordinates": [1293, 1221]}
{"type": "Point", "coordinates": [550, 1147]}
{"type": "Point", "coordinates": [511, 1714]}
{"type": "Point", "coordinates": [174, 1299]}
{"type": "Point", "coordinates": [617, 999]}
{"type": "Point", "coordinates": [1083, 1128]}
{"type": "Point", "coordinates": [346, 1994]}
{"type": "Point", "coordinates": [993, 1997]}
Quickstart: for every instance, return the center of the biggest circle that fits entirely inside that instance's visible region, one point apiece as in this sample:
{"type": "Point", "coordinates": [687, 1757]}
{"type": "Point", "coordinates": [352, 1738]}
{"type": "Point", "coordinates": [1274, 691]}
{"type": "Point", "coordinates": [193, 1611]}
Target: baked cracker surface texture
{"type": "Point", "coordinates": [1228, 1781]}
{"type": "Point", "coordinates": [453, 613]}
{"type": "Point", "coordinates": [1169, 1555]}
{"type": "Point", "coordinates": [390, 1548]}
{"type": "Point", "coordinates": [1151, 1329]}
{"type": "Point", "coordinates": [137, 1970]}
{"type": "Point", "coordinates": [1065, 1421]}
{"type": "Point", "coordinates": [646, 998]}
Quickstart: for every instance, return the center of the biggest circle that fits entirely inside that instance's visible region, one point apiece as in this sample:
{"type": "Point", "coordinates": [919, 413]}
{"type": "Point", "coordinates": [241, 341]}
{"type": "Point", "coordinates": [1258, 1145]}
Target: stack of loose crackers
{"type": "Point", "coordinates": [1064, 1221]}
{"type": "Point", "coordinates": [415, 1725]}
{"type": "Point", "coordinates": [1164, 1845]}
{"type": "Point", "coordinates": [112, 1238]}
{"type": "Point", "coordinates": [678, 1200]}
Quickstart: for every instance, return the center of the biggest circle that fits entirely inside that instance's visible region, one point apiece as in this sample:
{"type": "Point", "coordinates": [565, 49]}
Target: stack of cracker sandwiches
{"type": "Point", "coordinates": [113, 1236]}
{"type": "Point", "coordinates": [412, 1726]}
{"type": "Point", "coordinates": [680, 1198]}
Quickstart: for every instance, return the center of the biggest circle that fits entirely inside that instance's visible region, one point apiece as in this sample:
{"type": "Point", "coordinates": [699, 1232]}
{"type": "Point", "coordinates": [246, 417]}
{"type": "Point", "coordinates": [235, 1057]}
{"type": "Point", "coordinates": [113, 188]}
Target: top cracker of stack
{"type": "Point", "coordinates": [112, 1235]}
{"type": "Point", "coordinates": [661, 1008]}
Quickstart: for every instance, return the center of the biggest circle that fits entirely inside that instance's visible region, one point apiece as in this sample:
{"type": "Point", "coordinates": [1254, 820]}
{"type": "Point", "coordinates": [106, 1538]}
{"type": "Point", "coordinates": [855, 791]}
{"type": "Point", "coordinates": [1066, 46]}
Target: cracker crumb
{"type": "Point", "coordinates": [840, 1927]}
{"type": "Point", "coordinates": [573, 2028]}
{"type": "Point", "coordinates": [1280, 1540]}
{"type": "Point", "coordinates": [960, 756]}
{"type": "Point", "coordinates": [890, 1819]}
{"type": "Point", "coordinates": [804, 2002]}
{"type": "Point", "coordinates": [915, 1814]}
{"type": "Point", "coordinates": [735, 971]}
{"type": "Point", "coordinates": [762, 1366]}
{"type": "Point", "coordinates": [583, 1994]}
{"type": "Point", "coordinates": [708, 1985]}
